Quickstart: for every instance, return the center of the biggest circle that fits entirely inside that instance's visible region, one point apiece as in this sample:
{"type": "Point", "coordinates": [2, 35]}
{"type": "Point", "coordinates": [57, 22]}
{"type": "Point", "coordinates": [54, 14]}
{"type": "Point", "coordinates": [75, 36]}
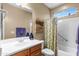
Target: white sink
{"type": "Point", "coordinates": [16, 46]}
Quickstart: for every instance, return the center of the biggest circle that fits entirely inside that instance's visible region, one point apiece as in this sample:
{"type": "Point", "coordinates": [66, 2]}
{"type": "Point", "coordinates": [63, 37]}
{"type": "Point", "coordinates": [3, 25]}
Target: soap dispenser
{"type": "Point", "coordinates": [31, 36]}
{"type": "Point", "coordinates": [27, 34]}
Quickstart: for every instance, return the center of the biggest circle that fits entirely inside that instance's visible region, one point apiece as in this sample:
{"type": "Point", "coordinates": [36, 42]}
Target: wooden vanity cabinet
{"type": "Point", "coordinates": [23, 53]}
{"type": "Point", "coordinates": [33, 51]}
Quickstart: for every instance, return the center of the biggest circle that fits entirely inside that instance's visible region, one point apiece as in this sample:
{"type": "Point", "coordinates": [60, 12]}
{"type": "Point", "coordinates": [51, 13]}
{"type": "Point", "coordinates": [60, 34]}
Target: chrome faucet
{"type": "Point", "coordinates": [21, 39]}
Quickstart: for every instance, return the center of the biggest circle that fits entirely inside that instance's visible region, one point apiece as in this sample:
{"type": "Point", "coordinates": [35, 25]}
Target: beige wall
{"type": "Point", "coordinates": [15, 17]}
{"type": "Point", "coordinates": [41, 12]}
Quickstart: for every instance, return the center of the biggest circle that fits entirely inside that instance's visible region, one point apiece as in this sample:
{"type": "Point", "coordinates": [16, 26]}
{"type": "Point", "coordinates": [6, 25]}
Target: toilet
{"type": "Point", "coordinates": [47, 52]}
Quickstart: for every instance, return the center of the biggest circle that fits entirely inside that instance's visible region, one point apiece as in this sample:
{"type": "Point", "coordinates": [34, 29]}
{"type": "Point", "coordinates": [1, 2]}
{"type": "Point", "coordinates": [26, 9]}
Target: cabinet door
{"type": "Point", "coordinates": [36, 53]}
{"type": "Point", "coordinates": [26, 52]}
{"type": "Point", "coordinates": [22, 53]}
{"type": "Point", "coordinates": [35, 50]}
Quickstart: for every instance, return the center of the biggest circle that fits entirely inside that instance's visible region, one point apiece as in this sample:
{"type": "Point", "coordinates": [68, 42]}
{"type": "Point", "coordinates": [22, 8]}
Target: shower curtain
{"type": "Point", "coordinates": [50, 34]}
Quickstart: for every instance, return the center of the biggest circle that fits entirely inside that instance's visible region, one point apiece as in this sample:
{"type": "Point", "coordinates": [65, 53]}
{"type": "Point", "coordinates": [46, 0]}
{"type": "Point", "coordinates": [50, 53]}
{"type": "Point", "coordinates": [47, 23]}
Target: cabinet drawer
{"type": "Point", "coordinates": [36, 53]}
{"type": "Point", "coordinates": [34, 48]}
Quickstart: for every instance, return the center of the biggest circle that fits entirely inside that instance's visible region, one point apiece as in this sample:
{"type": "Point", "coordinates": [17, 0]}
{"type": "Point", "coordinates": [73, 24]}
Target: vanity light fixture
{"type": "Point", "coordinates": [23, 5]}
{"type": "Point", "coordinates": [30, 23]}
{"type": "Point", "coordinates": [2, 16]}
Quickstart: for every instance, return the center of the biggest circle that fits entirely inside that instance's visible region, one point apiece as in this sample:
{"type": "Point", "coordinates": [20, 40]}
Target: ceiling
{"type": "Point", "coordinates": [23, 6]}
{"type": "Point", "coordinates": [27, 8]}
{"type": "Point", "coordinates": [53, 5]}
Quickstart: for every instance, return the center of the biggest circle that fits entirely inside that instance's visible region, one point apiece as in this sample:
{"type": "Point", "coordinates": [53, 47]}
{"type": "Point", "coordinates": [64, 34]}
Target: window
{"type": "Point", "coordinates": [67, 12]}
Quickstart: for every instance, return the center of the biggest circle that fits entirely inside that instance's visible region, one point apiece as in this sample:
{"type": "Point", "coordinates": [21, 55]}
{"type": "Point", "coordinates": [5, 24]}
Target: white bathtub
{"type": "Point", "coordinates": [68, 29]}
{"type": "Point", "coordinates": [63, 53]}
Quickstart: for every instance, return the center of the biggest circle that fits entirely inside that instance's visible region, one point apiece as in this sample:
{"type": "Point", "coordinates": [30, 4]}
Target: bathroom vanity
{"type": "Point", "coordinates": [12, 47]}
{"type": "Point", "coordinates": [33, 51]}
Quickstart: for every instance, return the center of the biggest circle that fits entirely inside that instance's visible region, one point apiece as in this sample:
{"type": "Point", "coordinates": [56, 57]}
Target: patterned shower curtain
{"type": "Point", "coordinates": [50, 34]}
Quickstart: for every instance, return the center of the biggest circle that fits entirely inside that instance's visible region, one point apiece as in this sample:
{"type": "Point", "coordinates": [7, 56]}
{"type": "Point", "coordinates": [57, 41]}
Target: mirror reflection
{"type": "Point", "coordinates": [16, 21]}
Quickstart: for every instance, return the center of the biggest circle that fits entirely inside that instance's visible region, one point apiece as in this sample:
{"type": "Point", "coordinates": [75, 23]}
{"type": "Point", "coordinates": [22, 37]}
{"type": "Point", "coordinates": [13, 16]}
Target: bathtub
{"type": "Point", "coordinates": [67, 36]}
{"type": "Point", "coordinates": [63, 53]}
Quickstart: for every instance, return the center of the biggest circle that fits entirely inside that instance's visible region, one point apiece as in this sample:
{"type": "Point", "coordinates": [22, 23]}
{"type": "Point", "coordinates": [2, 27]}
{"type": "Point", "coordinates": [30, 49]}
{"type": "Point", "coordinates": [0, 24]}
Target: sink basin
{"type": "Point", "coordinates": [21, 44]}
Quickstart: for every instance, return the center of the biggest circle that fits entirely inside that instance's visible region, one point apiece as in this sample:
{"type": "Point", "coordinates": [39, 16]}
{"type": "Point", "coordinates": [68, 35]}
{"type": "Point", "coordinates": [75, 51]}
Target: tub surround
{"type": "Point", "coordinates": [13, 46]}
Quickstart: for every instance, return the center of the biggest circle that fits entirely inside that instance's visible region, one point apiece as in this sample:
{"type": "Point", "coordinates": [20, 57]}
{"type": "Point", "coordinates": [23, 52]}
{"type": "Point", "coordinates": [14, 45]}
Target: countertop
{"type": "Point", "coordinates": [12, 46]}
